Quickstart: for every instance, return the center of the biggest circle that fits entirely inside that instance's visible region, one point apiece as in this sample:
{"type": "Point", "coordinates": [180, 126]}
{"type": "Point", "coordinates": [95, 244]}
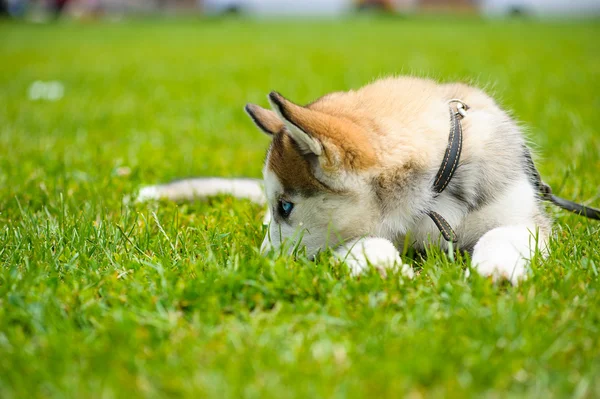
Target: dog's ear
{"type": "Point", "coordinates": [337, 142]}
{"type": "Point", "coordinates": [265, 119]}
{"type": "Point", "coordinates": [297, 120]}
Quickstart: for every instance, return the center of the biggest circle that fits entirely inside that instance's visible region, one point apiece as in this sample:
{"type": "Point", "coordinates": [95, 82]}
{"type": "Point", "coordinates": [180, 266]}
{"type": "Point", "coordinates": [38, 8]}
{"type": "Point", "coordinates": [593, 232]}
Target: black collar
{"type": "Point", "coordinates": [449, 164]}
{"type": "Point", "coordinates": [452, 158]}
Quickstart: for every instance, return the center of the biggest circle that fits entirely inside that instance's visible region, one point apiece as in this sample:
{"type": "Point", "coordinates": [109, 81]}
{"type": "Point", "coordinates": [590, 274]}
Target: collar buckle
{"type": "Point", "coordinates": [461, 107]}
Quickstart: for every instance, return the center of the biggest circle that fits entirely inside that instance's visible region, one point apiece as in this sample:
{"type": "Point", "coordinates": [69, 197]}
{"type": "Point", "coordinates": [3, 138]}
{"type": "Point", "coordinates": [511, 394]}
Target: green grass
{"type": "Point", "coordinates": [102, 299]}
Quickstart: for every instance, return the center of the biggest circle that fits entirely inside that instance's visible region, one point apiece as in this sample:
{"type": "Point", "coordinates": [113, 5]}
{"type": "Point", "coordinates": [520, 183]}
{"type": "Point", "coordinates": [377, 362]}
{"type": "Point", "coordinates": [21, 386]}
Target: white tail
{"type": "Point", "coordinates": [199, 188]}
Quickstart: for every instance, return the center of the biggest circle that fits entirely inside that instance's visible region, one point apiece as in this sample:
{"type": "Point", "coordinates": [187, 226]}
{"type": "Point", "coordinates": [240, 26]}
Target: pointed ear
{"type": "Point", "coordinates": [337, 141]}
{"type": "Point", "coordinates": [295, 118]}
{"type": "Point", "coordinates": [265, 119]}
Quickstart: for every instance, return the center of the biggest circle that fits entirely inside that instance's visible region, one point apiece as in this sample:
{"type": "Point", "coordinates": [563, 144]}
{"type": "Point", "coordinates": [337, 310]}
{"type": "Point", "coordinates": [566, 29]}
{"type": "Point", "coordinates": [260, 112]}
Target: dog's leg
{"type": "Point", "coordinates": [199, 188]}
{"type": "Point", "coordinates": [504, 252]}
{"type": "Point", "coordinates": [380, 253]}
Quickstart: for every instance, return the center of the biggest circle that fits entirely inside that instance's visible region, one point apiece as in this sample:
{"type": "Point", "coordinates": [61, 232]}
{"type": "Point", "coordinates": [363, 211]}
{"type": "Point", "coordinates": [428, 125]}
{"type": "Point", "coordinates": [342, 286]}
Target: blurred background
{"type": "Point", "coordinates": [103, 298]}
{"type": "Point", "coordinates": [108, 95]}
{"type": "Point", "coordinates": [114, 8]}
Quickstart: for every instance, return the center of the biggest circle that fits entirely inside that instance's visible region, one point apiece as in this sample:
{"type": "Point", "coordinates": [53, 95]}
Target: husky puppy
{"type": "Point", "coordinates": [357, 171]}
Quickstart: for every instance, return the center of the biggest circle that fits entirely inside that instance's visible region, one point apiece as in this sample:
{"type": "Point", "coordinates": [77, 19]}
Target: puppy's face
{"type": "Point", "coordinates": [318, 191]}
{"type": "Point", "coordinates": [313, 220]}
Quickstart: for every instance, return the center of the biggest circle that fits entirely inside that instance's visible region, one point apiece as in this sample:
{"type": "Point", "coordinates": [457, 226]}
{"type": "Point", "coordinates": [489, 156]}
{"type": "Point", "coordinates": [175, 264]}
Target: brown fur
{"type": "Point", "coordinates": [345, 142]}
{"type": "Point", "coordinates": [265, 119]}
{"type": "Point", "coordinates": [292, 167]}
{"type": "Point", "coordinates": [350, 126]}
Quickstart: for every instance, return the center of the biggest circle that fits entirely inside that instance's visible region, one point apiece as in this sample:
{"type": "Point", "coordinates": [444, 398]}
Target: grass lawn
{"type": "Point", "coordinates": [103, 299]}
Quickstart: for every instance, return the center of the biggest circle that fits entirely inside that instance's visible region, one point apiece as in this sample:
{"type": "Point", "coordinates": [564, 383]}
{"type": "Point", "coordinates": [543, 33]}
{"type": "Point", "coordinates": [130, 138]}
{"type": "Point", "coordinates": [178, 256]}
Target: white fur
{"type": "Point", "coordinates": [515, 206]}
{"type": "Point", "coordinates": [305, 142]}
{"type": "Point", "coordinates": [378, 252]}
{"type": "Point", "coordinates": [190, 189]}
{"type": "Point", "coordinates": [318, 221]}
{"type": "Point", "coordinates": [503, 253]}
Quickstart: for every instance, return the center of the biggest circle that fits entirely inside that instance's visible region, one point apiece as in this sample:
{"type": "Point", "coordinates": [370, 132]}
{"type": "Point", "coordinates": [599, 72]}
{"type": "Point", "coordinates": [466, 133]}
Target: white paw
{"type": "Point", "coordinates": [504, 253]}
{"type": "Point", "coordinates": [372, 251]}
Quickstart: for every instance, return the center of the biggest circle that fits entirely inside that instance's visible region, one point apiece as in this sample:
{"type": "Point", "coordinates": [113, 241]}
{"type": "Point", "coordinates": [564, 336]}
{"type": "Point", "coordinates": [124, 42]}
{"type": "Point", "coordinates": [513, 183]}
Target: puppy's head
{"type": "Point", "coordinates": [317, 175]}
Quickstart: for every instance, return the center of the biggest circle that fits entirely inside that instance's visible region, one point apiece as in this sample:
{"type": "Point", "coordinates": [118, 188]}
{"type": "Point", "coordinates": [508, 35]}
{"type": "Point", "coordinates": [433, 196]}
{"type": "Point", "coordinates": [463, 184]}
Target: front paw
{"type": "Point", "coordinates": [379, 253]}
{"type": "Point", "coordinates": [500, 269]}
{"type": "Point", "coordinates": [503, 254]}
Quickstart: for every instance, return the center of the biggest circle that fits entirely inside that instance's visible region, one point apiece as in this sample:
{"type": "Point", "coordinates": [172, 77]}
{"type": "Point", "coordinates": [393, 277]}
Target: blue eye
{"type": "Point", "coordinates": [285, 208]}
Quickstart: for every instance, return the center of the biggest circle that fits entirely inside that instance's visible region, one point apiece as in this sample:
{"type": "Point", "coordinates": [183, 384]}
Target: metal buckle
{"type": "Point", "coordinates": [461, 107]}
